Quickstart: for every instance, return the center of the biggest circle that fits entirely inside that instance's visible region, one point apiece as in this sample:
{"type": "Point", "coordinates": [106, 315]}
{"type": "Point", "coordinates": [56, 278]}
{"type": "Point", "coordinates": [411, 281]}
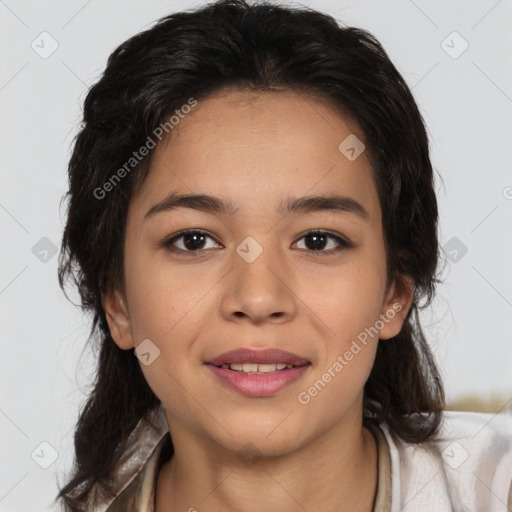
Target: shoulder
{"type": "Point", "coordinates": [467, 466]}
{"type": "Point", "coordinates": [136, 477]}
{"type": "Point", "coordinates": [467, 435]}
{"type": "Point", "coordinates": [140, 492]}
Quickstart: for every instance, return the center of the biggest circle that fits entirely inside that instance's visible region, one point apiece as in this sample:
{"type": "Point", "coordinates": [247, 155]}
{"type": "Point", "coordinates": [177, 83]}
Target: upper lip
{"type": "Point", "coordinates": [269, 355]}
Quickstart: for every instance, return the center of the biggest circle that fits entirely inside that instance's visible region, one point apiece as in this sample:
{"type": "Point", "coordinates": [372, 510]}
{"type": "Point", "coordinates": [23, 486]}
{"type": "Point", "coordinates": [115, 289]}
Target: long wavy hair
{"type": "Point", "coordinates": [233, 44]}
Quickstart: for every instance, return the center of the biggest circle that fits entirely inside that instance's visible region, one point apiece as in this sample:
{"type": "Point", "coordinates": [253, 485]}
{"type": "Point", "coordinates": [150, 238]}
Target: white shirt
{"type": "Point", "coordinates": [466, 468]}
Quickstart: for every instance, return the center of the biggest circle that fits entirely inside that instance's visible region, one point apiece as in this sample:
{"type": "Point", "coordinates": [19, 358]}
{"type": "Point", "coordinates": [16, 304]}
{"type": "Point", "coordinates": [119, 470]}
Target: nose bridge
{"type": "Point", "coordinates": [259, 287]}
{"type": "Point", "coordinates": [258, 263]}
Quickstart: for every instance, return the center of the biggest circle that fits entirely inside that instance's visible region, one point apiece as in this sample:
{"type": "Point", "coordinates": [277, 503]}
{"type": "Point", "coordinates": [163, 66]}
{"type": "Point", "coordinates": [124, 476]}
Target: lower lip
{"type": "Point", "coordinates": [258, 384]}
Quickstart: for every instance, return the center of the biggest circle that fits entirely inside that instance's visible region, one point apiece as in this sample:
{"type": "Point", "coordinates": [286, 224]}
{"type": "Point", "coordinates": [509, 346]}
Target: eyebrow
{"type": "Point", "coordinates": [307, 204]}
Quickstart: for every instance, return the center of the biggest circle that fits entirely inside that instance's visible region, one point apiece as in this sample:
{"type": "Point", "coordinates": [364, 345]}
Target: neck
{"type": "Point", "coordinates": [337, 471]}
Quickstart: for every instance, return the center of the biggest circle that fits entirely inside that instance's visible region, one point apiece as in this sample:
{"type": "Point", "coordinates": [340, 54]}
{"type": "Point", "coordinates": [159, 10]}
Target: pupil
{"type": "Point", "coordinates": [198, 239]}
{"type": "Point", "coordinates": [319, 239]}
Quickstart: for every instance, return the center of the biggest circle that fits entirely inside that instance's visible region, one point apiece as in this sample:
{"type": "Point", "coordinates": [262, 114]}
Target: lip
{"type": "Point", "coordinates": [268, 355]}
{"type": "Point", "coordinates": [258, 384]}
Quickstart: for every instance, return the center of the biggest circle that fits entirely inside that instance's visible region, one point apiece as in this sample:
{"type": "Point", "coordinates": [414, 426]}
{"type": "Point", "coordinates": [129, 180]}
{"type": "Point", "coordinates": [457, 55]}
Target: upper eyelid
{"type": "Point", "coordinates": [188, 231]}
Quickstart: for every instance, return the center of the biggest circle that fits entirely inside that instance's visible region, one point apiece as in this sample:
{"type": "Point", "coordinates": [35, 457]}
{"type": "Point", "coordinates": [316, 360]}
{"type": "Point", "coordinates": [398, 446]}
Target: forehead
{"type": "Point", "coordinates": [252, 147]}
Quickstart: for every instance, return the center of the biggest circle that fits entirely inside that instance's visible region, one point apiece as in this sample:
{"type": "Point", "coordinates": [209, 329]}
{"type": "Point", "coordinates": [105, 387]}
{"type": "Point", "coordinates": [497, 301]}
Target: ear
{"type": "Point", "coordinates": [118, 319]}
{"type": "Point", "coordinates": [396, 306]}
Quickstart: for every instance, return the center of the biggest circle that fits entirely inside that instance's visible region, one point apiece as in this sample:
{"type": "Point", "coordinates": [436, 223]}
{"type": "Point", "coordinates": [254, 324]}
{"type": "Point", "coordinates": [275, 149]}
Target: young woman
{"type": "Point", "coordinates": [253, 224]}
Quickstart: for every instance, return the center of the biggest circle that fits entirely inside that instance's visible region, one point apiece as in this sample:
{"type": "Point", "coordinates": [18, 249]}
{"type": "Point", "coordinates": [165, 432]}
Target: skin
{"type": "Point", "coordinates": [256, 150]}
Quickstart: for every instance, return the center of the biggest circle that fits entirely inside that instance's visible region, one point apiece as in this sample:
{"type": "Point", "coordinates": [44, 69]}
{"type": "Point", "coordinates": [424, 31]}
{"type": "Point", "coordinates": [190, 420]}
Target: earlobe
{"type": "Point", "coordinates": [396, 307]}
{"type": "Point", "coordinates": [118, 319]}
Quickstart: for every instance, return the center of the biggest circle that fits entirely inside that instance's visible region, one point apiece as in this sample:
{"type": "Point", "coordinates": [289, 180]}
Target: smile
{"type": "Point", "coordinates": [256, 369]}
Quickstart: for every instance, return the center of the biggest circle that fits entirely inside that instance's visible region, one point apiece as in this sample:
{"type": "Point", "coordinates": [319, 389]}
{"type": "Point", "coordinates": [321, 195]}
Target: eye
{"type": "Point", "coordinates": [195, 241]}
{"type": "Point", "coordinates": [318, 240]}
{"type": "Point", "coordinates": [191, 241]}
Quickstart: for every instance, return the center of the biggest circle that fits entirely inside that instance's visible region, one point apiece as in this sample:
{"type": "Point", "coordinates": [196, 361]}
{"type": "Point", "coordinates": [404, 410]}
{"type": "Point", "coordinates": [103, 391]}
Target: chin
{"type": "Point", "coordinates": [263, 436]}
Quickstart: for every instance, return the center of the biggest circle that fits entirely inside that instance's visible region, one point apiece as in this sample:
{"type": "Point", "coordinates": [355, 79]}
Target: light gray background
{"type": "Point", "coordinates": [466, 102]}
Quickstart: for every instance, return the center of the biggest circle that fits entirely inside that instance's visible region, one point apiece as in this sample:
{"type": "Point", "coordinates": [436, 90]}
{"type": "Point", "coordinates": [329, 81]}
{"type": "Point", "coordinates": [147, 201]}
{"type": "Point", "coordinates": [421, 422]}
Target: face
{"type": "Point", "coordinates": [309, 281]}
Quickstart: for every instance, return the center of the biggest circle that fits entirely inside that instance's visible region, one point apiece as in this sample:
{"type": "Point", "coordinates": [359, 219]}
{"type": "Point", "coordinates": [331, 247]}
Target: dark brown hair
{"type": "Point", "coordinates": [232, 44]}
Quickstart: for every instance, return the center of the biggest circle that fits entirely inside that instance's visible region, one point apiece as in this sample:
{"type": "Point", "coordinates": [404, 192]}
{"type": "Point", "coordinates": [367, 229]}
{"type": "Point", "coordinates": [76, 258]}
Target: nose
{"type": "Point", "coordinates": [260, 291]}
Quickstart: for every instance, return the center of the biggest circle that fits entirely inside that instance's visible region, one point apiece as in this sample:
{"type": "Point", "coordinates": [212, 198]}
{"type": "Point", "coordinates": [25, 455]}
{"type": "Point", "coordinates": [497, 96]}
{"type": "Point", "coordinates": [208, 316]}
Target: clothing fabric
{"type": "Point", "coordinates": [466, 468]}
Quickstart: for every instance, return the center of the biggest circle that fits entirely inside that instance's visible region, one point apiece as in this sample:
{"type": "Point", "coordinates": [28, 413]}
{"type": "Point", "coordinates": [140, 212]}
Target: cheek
{"type": "Point", "coordinates": [350, 309]}
{"type": "Point", "coordinates": [162, 296]}
{"type": "Point", "coordinates": [168, 306]}
{"type": "Point", "coordinates": [348, 300]}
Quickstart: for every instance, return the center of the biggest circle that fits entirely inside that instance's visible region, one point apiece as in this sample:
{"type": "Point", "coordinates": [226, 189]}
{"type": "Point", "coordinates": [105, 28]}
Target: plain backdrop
{"type": "Point", "coordinates": [454, 55]}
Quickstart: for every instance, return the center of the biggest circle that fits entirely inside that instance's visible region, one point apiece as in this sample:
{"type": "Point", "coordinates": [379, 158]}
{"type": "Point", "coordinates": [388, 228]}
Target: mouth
{"type": "Point", "coordinates": [258, 372]}
{"type": "Point", "coordinates": [269, 356]}
{"type": "Point", "coordinates": [257, 368]}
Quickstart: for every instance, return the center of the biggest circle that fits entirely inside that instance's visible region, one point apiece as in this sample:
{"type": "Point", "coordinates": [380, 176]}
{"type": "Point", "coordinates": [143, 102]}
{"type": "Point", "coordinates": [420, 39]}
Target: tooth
{"type": "Point", "coordinates": [266, 368]}
{"type": "Point", "coordinates": [225, 366]}
{"type": "Point", "coordinates": [255, 368]}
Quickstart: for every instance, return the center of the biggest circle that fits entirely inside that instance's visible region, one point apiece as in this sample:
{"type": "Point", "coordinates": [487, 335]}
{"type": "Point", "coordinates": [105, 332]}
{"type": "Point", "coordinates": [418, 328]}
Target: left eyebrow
{"type": "Point", "coordinates": [307, 204]}
{"type": "Point", "coordinates": [334, 203]}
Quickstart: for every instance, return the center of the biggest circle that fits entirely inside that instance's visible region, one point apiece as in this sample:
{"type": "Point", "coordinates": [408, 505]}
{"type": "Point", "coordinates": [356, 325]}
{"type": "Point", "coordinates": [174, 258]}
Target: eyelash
{"type": "Point", "coordinates": [343, 243]}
